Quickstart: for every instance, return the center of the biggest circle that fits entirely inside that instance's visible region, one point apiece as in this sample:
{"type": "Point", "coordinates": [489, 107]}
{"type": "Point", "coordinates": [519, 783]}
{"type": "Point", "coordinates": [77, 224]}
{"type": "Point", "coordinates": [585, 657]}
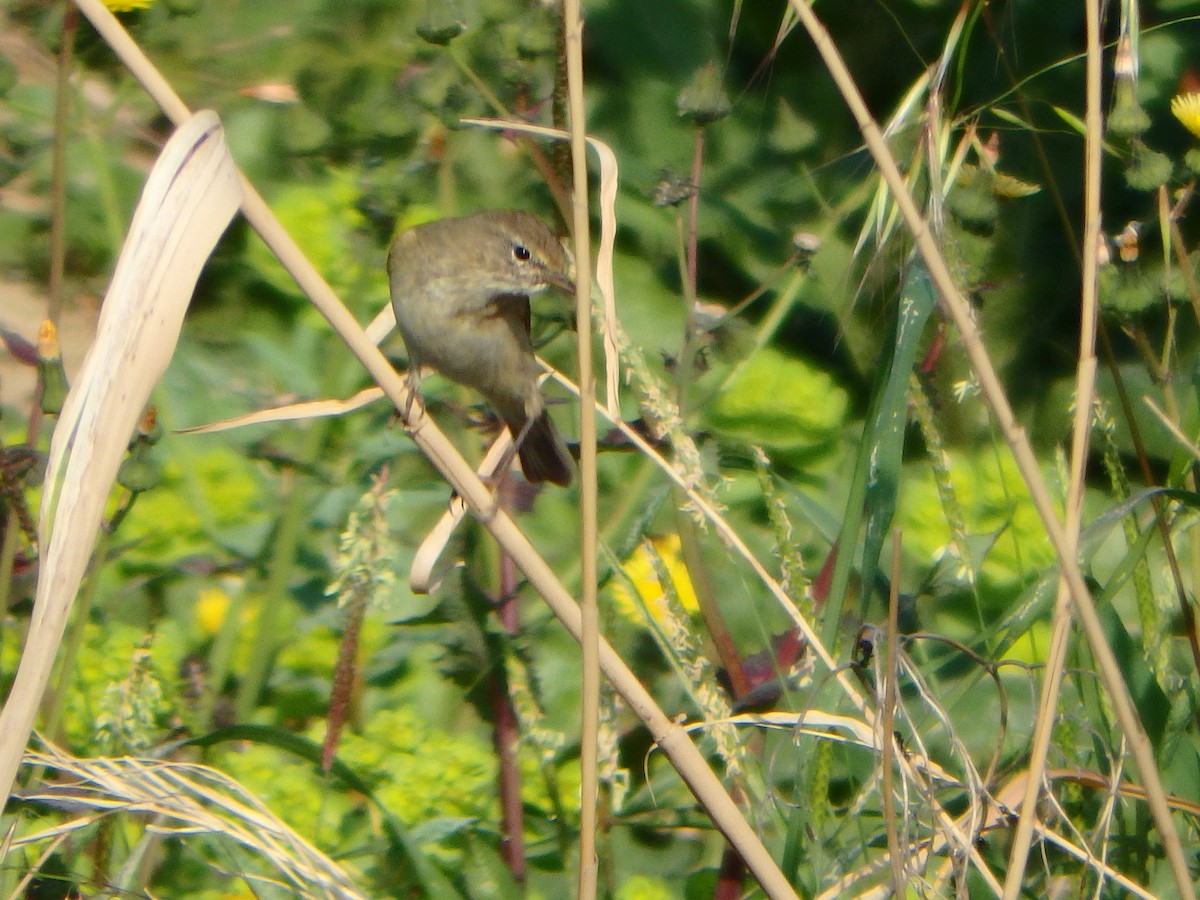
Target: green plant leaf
{"type": "Point", "coordinates": [781, 402]}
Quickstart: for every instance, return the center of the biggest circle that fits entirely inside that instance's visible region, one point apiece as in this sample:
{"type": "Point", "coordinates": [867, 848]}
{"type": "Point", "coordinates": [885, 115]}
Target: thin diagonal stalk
{"type": "Point", "coordinates": [997, 400]}
{"type": "Point", "coordinates": [689, 532]}
{"type": "Point", "coordinates": [673, 740]}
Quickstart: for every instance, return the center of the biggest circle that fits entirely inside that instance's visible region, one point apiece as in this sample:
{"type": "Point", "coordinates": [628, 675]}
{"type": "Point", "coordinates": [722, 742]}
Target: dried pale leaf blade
{"type": "Point", "coordinates": [293, 412]}
{"type": "Point", "coordinates": [609, 181]}
{"type": "Point", "coordinates": [426, 573]}
{"type": "Point", "coordinates": [382, 325]}
{"type": "Point", "coordinates": [187, 203]}
{"type": "Point", "coordinates": [191, 196]}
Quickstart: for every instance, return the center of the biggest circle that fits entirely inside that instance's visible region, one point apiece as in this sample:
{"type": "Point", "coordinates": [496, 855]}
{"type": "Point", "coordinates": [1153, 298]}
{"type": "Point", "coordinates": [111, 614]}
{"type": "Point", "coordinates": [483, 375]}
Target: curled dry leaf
{"type": "Point", "coordinates": [189, 199]}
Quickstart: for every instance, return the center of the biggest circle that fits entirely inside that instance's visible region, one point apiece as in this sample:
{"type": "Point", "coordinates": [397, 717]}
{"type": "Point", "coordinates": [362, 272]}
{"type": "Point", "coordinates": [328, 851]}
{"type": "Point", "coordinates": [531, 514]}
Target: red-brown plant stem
{"type": "Point", "coordinates": [731, 876]}
{"type": "Point", "coordinates": [505, 734]}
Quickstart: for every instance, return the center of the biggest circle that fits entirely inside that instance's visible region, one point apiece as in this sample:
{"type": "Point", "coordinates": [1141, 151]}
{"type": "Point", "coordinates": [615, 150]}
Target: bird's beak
{"type": "Point", "coordinates": [565, 281]}
{"type": "Point", "coordinates": [562, 282]}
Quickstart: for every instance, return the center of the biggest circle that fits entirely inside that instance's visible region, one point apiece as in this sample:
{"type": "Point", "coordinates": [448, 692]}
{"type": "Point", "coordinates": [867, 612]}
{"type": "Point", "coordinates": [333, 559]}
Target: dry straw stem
{"type": "Point", "coordinates": [688, 761]}
{"type": "Point", "coordinates": [1169, 424]}
{"type": "Point", "coordinates": [1085, 380]}
{"type": "Point", "coordinates": [1014, 434]}
{"type": "Point", "coordinates": [184, 799]}
{"type": "Point", "coordinates": [314, 409]}
{"type": "Point", "coordinates": [589, 605]}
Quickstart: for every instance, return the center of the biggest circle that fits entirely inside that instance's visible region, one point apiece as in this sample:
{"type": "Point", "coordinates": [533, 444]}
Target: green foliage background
{"type": "Point", "coordinates": [347, 117]}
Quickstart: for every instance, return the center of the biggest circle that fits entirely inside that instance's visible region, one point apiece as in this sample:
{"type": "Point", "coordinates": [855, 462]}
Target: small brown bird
{"type": "Point", "coordinates": [460, 288]}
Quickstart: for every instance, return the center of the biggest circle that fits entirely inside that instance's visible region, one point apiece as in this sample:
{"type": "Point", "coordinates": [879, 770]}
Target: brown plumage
{"type": "Point", "coordinates": [460, 288]}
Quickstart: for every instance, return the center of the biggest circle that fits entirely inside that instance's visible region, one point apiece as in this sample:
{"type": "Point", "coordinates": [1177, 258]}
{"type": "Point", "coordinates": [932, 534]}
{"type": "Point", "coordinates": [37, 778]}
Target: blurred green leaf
{"type": "Point", "coordinates": [780, 402]}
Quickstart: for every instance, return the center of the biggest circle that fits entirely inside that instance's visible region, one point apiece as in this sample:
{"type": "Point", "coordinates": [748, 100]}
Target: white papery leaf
{"type": "Point", "coordinates": [191, 196]}
{"type": "Point", "coordinates": [293, 412]}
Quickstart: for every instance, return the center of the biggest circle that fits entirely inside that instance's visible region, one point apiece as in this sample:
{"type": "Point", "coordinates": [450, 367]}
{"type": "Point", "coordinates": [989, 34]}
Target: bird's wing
{"type": "Point", "coordinates": [513, 310]}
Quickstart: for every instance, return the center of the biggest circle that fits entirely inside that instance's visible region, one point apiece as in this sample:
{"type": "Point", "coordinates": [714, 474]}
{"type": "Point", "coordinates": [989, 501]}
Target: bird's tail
{"type": "Point", "coordinates": [543, 453]}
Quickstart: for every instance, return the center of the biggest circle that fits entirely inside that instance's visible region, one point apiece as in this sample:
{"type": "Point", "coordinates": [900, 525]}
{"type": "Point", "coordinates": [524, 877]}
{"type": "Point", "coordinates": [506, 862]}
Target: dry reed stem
{"type": "Point", "coordinates": [589, 604]}
{"type": "Point", "coordinates": [1085, 379]}
{"type": "Point", "coordinates": [673, 740]}
{"type": "Point", "coordinates": [1014, 434]}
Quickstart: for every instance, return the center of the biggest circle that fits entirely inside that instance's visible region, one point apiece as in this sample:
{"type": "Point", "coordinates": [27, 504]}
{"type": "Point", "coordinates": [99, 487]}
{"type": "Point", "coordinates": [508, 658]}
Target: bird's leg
{"type": "Point", "coordinates": [414, 394]}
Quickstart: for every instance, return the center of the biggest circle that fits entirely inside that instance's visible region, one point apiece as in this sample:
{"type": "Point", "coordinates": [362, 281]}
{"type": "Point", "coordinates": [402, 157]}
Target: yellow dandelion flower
{"type": "Point", "coordinates": [1186, 108]}
{"type": "Point", "coordinates": [640, 570]}
{"type": "Point", "coordinates": [118, 6]}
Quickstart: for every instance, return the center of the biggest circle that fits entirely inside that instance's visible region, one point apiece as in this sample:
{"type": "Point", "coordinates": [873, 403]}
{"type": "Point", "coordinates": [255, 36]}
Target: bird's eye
{"type": "Point", "coordinates": [521, 252]}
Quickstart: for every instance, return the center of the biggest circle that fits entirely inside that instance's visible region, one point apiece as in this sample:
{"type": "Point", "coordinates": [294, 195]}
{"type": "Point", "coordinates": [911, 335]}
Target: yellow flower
{"type": "Point", "coordinates": [1186, 108]}
{"type": "Point", "coordinates": [126, 5]}
{"type": "Point", "coordinates": [211, 608]}
{"type": "Point", "coordinates": [640, 570]}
